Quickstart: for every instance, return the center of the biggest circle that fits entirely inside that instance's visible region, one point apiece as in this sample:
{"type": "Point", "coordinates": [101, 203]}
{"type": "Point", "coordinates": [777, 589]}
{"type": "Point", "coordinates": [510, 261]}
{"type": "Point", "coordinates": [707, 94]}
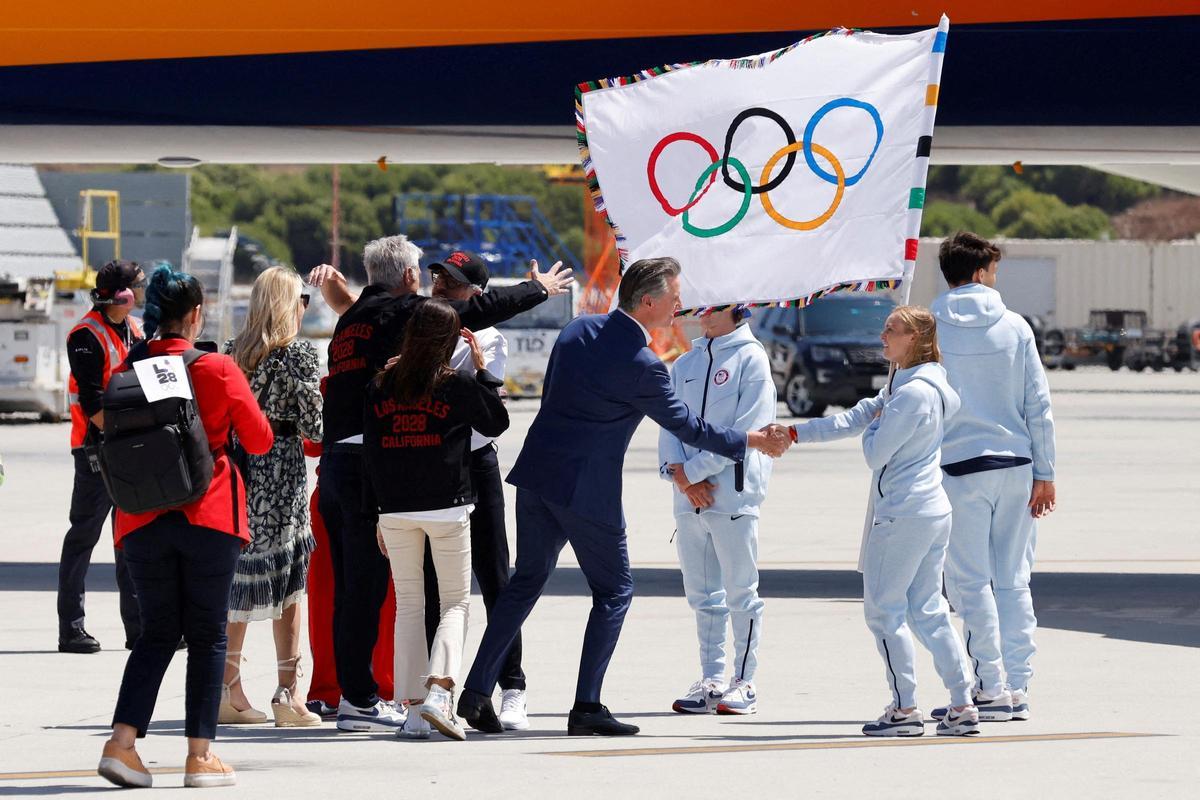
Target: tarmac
{"type": "Point", "coordinates": [1117, 589]}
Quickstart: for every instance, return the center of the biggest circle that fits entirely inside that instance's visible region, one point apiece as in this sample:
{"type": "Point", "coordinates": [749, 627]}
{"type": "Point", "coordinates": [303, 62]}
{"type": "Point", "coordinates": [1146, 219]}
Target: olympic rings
{"type": "Point", "coordinates": [816, 222]}
{"type": "Point", "coordinates": [787, 132]}
{"type": "Point", "coordinates": [653, 162]}
{"type": "Point", "coordinates": [741, 212]}
{"type": "Point", "coordinates": [812, 126]}
{"type": "Point", "coordinates": [766, 182]}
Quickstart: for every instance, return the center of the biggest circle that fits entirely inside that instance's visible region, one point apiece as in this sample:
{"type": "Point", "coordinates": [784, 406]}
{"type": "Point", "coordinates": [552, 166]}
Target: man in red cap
{"type": "Point", "coordinates": [95, 347]}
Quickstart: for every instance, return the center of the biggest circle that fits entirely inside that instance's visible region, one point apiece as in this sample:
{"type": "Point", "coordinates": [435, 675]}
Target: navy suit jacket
{"type": "Point", "coordinates": [601, 381]}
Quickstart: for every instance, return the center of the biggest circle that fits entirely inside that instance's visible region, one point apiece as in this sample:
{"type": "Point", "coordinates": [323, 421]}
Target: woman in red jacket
{"type": "Point", "coordinates": [182, 560]}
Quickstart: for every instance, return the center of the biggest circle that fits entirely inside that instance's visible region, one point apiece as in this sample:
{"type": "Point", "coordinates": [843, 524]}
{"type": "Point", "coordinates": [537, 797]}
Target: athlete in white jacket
{"type": "Point", "coordinates": [726, 379]}
{"type": "Point", "coordinates": [998, 457]}
{"type": "Point", "coordinates": [905, 548]}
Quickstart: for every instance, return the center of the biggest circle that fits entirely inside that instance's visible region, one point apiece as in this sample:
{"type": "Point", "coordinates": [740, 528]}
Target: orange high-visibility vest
{"type": "Point", "coordinates": [115, 351]}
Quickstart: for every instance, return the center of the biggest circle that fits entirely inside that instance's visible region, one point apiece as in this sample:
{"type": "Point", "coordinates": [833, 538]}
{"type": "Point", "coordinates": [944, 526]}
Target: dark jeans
{"type": "Point", "coordinates": [360, 573]}
{"type": "Point", "coordinates": [543, 528]}
{"type": "Point", "coordinates": [183, 574]}
{"type": "Point", "coordinates": [90, 506]}
{"type": "Point", "coordinates": [489, 557]}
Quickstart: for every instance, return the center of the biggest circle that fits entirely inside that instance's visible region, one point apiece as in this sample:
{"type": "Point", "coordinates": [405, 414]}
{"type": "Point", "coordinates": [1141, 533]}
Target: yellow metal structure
{"type": "Point", "coordinates": [75, 280]}
{"type": "Point", "coordinates": [87, 229]}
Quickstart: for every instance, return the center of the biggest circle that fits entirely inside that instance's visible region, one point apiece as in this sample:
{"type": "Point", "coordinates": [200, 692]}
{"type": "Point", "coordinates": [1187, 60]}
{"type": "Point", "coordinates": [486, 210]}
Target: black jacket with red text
{"type": "Point", "coordinates": [418, 457]}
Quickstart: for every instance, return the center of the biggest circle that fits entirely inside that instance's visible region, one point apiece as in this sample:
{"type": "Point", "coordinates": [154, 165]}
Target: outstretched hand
{"type": "Point", "coordinates": [322, 273]}
{"type": "Point", "coordinates": [556, 280]}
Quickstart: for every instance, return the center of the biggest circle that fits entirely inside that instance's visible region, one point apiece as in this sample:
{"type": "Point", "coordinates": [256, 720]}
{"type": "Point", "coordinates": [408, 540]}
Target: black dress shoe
{"type": "Point", "coordinates": [479, 713]}
{"type": "Point", "coordinates": [78, 641]}
{"type": "Point", "coordinates": [597, 723]}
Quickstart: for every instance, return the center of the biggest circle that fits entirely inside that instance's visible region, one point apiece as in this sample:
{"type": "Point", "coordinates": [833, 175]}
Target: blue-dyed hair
{"type": "Point", "coordinates": [170, 296]}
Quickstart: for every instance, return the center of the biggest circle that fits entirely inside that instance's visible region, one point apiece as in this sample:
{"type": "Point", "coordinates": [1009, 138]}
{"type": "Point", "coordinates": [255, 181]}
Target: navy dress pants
{"type": "Point", "coordinates": [543, 528]}
{"type": "Point", "coordinates": [182, 574]}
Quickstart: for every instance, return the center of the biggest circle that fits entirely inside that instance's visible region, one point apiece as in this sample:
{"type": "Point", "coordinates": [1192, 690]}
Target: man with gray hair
{"type": "Point", "coordinates": [368, 333]}
{"type": "Point", "coordinates": [602, 379]}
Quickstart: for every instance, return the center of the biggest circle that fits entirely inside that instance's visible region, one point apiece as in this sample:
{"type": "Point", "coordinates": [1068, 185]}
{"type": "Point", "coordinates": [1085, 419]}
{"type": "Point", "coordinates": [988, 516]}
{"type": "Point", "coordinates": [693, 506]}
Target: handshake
{"type": "Point", "coordinates": [772, 440]}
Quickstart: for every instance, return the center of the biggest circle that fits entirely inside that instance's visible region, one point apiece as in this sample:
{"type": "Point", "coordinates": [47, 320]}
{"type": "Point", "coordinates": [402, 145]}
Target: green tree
{"type": "Point", "coordinates": [943, 218]}
{"type": "Point", "coordinates": [1033, 215]}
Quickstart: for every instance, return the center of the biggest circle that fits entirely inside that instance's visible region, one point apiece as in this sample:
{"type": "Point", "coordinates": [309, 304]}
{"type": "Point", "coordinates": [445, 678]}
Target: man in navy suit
{"type": "Point", "coordinates": [602, 379]}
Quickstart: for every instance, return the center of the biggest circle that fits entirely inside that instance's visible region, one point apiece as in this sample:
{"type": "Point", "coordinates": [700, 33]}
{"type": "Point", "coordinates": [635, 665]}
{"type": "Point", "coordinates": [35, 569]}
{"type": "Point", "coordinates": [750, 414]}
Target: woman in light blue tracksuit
{"type": "Point", "coordinates": [905, 547]}
{"type": "Point", "coordinates": [726, 379]}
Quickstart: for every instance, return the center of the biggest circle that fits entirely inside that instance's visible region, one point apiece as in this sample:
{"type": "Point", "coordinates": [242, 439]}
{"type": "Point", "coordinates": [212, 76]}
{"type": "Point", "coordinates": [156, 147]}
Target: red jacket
{"type": "Point", "coordinates": [224, 399]}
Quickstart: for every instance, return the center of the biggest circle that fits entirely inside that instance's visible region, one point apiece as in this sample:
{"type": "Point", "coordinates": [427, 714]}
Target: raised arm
{"type": "Point", "coordinates": [334, 288]}
{"type": "Point", "coordinates": [850, 422]}
{"type": "Point", "coordinates": [505, 302]}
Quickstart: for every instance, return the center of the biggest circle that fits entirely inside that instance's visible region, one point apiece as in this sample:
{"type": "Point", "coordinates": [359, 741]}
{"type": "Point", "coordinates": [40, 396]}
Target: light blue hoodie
{"type": "Point", "coordinates": [992, 362]}
{"type": "Point", "coordinates": [902, 444]}
{"type": "Point", "coordinates": [726, 381]}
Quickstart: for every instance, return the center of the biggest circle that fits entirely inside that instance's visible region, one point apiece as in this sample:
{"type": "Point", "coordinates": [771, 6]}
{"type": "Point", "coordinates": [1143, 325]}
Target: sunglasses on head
{"type": "Point", "coordinates": [304, 300]}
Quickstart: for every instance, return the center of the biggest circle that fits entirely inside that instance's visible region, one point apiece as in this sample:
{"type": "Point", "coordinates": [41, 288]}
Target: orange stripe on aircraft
{"type": "Point", "coordinates": [74, 31]}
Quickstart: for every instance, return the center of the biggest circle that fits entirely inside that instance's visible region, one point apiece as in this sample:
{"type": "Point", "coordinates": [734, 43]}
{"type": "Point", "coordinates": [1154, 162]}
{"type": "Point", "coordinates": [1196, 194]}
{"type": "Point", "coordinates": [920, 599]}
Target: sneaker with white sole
{"type": "Point", "coordinates": [894, 722]}
{"type": "Point", "coordinates": [740, 698]}
{"type": "Point", "coordinates": [514, 711]}
{"type": "Point", "coordinates": [1020, 704]}
{"type": "Point", "coordinates": [383, 717]}
{"type": "Point", "coordinates": [438, 711]}
{"type": "Point", "coordinates": [321, 708]}
{"type": "Point", "coordinates": [701, 698]}
{"type": "Point", "coordinates": [959, 723]}
{"type": "Point", "coordinates": [415, 727]}
{"type": "Point", "coordinates": [122, 767]}
{"type": "Point", "coordinates": [991, 709]}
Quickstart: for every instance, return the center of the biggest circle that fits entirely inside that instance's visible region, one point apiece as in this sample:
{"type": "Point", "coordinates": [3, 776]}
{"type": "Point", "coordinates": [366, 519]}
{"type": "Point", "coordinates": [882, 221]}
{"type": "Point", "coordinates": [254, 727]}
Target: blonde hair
{"type": "Point", "coordinates": [271, 322]}
{"type": "Point", "coordinates": [918, 320]}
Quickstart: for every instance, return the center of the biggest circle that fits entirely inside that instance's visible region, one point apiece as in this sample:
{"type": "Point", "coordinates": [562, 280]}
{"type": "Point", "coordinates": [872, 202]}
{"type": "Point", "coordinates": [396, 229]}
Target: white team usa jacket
{"type": "Point", "coordinates": [726, 381]}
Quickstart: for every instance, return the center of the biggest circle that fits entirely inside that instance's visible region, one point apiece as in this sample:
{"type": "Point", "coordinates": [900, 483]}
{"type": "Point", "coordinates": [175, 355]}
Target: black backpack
{"type": "Point", "coordinates": [153, 456]}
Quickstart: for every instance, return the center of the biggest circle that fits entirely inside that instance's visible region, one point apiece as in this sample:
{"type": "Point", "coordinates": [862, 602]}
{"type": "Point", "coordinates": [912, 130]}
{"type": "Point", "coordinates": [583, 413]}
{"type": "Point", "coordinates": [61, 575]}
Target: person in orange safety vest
{"type": "Point", "coordinates": [95, 348]}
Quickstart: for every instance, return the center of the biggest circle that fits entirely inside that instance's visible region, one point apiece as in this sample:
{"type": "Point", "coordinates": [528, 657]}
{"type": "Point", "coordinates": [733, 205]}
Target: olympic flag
{"type": "Point", "coordinates": [775, 178]}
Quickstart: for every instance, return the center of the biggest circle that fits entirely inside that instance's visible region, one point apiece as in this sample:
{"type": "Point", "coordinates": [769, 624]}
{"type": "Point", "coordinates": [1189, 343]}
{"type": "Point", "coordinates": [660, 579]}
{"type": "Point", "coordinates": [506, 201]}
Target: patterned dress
{"type": "Point", "coordinates": [272, 572]}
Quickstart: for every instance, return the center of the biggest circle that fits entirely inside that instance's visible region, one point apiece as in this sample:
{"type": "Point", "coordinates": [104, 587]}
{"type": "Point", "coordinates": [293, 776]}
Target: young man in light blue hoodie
{"type": "Point", "coordinates": [905, 547]}
{"type": "Point", "coordinates": [998, 456]}
{"type": "Point", "coordinates": [726, 379]}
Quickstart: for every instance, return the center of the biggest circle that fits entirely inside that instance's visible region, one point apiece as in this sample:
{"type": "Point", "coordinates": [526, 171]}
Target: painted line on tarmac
{"type": "Point", "coordinates": [882, 742]}
{"type": "Point", "coordinates": [76, 773]}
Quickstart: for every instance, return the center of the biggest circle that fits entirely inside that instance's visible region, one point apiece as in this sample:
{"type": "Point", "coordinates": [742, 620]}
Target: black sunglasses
{"type": "Point", "coordinates": [304, 300]}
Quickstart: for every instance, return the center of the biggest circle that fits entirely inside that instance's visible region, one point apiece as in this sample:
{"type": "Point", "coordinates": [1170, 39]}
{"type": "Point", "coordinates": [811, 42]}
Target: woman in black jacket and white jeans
{"type": "Point", "coordinates": [417, 442]}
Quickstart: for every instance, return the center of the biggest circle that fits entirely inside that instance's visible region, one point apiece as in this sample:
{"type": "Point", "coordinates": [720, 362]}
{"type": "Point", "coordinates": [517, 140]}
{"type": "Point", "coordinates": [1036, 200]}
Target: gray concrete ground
{"type": "Point", "coordinates": [1117, 588]}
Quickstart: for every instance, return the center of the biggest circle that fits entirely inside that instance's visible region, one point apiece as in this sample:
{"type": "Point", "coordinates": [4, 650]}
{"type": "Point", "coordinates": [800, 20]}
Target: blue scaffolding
{"type": "Point", "coordinates": [506, 230]}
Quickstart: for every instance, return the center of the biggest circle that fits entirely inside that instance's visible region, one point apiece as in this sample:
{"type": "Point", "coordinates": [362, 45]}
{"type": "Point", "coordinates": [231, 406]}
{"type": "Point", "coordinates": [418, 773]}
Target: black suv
{"type": "Point", "coordinates": [828, 353]}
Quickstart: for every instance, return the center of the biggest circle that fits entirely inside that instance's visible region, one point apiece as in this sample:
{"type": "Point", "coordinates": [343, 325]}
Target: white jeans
{"type": "Point", "coordinates": [902, 595]}
{"type": "Point", "coordinates": [450, 544]}
{"type": "Point", "coordinates": [987, 573]}
{"type": "Point", "coordinates": [718, 557]}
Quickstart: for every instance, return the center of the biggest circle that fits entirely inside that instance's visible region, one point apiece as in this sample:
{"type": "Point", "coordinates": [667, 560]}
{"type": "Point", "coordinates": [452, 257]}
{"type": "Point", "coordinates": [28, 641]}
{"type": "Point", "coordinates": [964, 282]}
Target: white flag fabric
{"type": "Point", "coordinates": [775, 178]}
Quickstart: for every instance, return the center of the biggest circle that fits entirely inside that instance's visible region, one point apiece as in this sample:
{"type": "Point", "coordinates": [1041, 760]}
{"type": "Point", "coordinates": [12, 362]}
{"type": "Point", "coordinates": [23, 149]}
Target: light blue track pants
{"type": "Point", "coordinates": [987, 573]}
{"type": "Point", "coordinates": [902, 596]}
{"type": "Point", "coordinates": [718, 556]}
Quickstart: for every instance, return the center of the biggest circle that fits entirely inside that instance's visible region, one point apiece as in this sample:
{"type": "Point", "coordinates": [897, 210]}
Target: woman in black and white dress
{"type": "Point", "coordinates": [272, 572]}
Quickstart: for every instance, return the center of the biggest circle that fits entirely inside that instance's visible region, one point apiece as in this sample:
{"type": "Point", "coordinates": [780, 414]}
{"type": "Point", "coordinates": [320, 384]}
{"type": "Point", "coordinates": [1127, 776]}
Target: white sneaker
{"type": "Point", "coordinates": [960, 723]}
{"type": "Point", "coordinates": [438, 711]}
{"type": "Point", "coordinates": [895, 723]}
{"type": "Point", "coordinates": [740, 698]}
{"type": "Point", "coordinates": [991, 709]}
{"type": "Point", "coordinates": [383, 717]}
{"type": "Point", "coordinates": [1020, 704]}
{"type": "Point", "coordinates": [514, 714]}
{"type": "Point", "coordinates": [701, 698]}
{"type": "Point", "coordinates": [415, 727]}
